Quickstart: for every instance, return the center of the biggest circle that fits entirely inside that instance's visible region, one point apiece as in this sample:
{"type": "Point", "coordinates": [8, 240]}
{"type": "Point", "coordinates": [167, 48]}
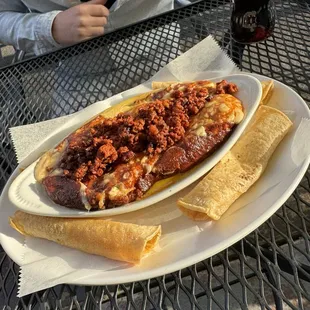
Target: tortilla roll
{"type": "Point", "coordinates": [267, 91]}
{"type": "Point", "coordinates": [120, 241]}
{"type": "Point", "coordinates": [239, 169]}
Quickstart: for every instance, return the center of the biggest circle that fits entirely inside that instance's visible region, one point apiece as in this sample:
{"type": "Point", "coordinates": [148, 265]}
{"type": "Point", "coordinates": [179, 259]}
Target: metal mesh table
{"type": "Point", "coordinates": [271, 266]}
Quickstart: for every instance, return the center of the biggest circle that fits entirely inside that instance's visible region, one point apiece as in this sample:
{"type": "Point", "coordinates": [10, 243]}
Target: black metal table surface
{"type": "Point", "coordinates": [267, 269]}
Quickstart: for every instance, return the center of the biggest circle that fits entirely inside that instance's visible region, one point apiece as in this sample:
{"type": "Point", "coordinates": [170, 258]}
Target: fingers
{"type": "Point", "coordinates": [97, 21]}
{"type": "Point", "coordinates": [93, 9]}
{"type": "Point", "coordinates": [102, 2]}
{"type": "Point", "coordinates": [97, 31]}
{"type": "Point", "coordinates": [98, 10]}
{"type": "Point", "coordinates": [80, 22]}
{"type": "Point", "coordinates": [89, 22]}
{"type": "Point", "coordinates": [85, 34]}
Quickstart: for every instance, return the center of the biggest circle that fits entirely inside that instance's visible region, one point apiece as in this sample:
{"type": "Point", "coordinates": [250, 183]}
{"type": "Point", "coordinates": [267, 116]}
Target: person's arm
{"type": "Point", "coordinates": [30, 32]}
{"type": "Point", "coordinates": [41, 32]}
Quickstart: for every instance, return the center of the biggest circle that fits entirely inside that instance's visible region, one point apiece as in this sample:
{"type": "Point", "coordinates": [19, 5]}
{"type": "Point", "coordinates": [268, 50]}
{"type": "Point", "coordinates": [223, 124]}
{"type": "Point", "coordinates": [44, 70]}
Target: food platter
{"type": "Point", "coordinates": [30, 197]}
{"type": "Point", "coordinates": [185, 242]}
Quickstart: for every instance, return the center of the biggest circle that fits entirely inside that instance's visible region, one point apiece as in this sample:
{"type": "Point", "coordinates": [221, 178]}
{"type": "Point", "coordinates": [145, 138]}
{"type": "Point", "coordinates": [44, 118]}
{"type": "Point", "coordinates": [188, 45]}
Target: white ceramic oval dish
{"type": "Point", "coordinates": [30, 196]}
{"type": "Point", "coordinates": [183, 242]}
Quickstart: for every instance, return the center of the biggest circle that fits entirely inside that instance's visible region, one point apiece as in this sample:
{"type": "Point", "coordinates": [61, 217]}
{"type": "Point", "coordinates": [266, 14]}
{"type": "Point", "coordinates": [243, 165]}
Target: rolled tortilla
{"type": "Point", "coordinates": [267, 91]}
{"type": "Point", "coordinates": [239, 169]}
{"type": "Point", "coordinates": [120, 241]}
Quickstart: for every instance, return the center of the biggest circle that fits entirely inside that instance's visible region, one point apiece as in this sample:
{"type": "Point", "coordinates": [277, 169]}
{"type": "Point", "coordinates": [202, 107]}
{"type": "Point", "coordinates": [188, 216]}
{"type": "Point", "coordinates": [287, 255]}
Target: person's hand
{"type": "Point", "coordinates": [80, 22]}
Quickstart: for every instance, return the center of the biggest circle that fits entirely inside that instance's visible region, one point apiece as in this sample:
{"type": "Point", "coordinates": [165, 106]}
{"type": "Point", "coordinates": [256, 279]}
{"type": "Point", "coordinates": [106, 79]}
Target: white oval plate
{"type": "Point", "coordinates": [30, 196]}
{"type": "Point", "coordinates": [183, 241]}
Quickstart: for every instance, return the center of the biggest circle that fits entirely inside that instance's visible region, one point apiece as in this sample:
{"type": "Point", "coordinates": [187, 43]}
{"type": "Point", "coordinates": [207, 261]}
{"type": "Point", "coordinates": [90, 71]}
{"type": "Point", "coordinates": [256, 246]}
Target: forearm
{"type": "Point", "coordinates": [30, 32]}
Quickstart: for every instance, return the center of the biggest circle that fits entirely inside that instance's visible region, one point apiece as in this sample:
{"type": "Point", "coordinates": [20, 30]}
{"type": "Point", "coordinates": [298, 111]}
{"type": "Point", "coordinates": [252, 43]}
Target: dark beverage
{"type": "Point", "coordinates": [252, 20]}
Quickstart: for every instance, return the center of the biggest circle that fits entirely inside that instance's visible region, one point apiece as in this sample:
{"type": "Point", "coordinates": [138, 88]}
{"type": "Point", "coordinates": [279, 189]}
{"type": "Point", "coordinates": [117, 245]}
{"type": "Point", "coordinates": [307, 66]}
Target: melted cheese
{"type": "Point", "coordinates": [108, 177]}
{"type": "Point", "coordinates": [167, 89]}
{"type": "Point", "coordinates": [200, 131]}
{"type": "Point", "coordinates": [57, 171]}
{"type": "Point", "coordinates": [119, 190]}
{"type": "Point", "coordinates": [167, 96]}
{"type": "Point", "coordinates": [83, 197]}
{"type": "Point", "coordinates": [102, 201]}
{"type": "Point", "coordinates": [238, 116]}
{"type": "Point", "coordinates": [147, 165]}
{"type": "Point", "coordinates": [48, 161]}
{"type": "Point", "coordinates": [209, 104]}
{"type": "Point", "coordinates": [223, 108]}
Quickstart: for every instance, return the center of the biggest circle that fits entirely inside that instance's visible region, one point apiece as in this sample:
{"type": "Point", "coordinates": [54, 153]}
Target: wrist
{"type": "Point", "coordinates": [43, 32]}
{"type": "Point", "coordinates": [54, 30]}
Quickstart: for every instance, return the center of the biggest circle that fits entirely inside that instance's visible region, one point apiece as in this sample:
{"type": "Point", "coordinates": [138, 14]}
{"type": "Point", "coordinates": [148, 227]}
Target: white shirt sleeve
{"type": "Point", "coordinates": [30, 32]}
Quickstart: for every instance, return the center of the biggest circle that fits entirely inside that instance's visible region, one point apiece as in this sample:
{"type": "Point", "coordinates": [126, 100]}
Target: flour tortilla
{"type": "Point", "coordinates": [239, 169]}
{"type": "Point", "coordinates": [267, 91]}
{"type": "Point", "coordinates": [120, 241]}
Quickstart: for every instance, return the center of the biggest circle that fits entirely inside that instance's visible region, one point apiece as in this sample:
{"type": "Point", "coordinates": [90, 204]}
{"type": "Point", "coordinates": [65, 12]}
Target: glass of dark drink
{"type": "Point", "coordinates": [252, 20]}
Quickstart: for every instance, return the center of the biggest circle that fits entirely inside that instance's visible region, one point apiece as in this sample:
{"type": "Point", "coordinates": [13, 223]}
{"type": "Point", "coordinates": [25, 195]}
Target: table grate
{"type": "Point", "coordinates": [268, 268]}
